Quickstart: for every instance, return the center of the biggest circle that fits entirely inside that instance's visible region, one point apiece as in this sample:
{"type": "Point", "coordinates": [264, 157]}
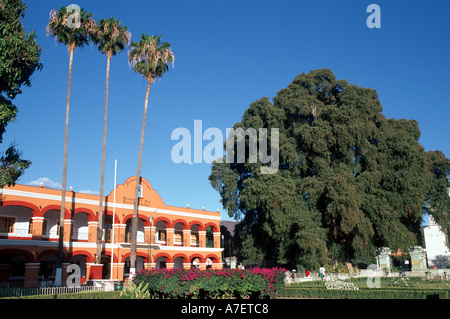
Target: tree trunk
{"type": "Point", "coordinates": [58, 275]}
{"type": "Point", "coordinates": [134, 221]}
{"type": "Point", "coordinates": [102, 178]}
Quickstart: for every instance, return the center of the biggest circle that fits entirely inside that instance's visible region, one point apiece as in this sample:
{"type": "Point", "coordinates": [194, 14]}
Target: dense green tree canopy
{"type": "Point", "coordinates": [349, 180]}
{"type": "Point", "coordinates": [19, 59]}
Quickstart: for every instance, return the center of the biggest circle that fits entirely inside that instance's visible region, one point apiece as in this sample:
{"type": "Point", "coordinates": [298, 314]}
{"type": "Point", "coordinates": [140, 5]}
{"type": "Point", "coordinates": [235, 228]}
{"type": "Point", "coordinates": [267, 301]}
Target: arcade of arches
{"type": "Point", "coordinates": [167, 236]}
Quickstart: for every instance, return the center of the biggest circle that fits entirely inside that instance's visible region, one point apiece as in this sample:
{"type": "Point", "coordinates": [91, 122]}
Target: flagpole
{"type": "Point", "coordinates": [114, 216]}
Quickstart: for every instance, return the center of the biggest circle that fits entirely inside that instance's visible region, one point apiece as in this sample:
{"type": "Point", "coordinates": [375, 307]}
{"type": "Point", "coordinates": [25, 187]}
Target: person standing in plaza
{"type": "Point", "coordinates": [322, 272]}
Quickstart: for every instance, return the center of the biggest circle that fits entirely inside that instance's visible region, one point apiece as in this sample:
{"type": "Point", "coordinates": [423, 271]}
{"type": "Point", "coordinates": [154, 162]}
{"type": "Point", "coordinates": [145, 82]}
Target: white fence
{"type": "Point", "coordinates": [68, 290]}
{"type": "Point", "coordinates": [18, 292]}
{"type": "Point", "coordinates": [441, 274]}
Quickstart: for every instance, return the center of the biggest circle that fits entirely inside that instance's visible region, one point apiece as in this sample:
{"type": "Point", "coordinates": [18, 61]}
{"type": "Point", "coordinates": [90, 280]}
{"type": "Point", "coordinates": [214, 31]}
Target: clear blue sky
{"type": "Point", "coordinates": [227, 55]}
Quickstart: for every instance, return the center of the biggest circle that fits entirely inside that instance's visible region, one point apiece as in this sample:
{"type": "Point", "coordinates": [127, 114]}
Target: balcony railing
{"type": "Point", "coordinates": [140, 238]}
{"type": "Point", "coordinates": [84, 236]}
{"type": "Point", "coordinates": [18, 232]}
{"type": "Point", "coordinates": [52, 234]}
{"type": "Point", "coordinates": [81, 235]}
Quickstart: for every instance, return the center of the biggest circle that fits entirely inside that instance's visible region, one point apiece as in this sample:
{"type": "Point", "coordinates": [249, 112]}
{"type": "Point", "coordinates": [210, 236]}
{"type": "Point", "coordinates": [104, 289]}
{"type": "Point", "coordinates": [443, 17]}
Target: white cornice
{"type": "Point", "coordinates": [13, 192]}
{"type": "Point", "coordinates": [42, 243]}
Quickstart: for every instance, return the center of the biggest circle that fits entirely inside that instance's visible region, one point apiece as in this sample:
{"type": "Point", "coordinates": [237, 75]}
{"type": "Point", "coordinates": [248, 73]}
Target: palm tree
{"type": "Point", "coordinates": [150, 58]}
{"type": "Point", "coordinates": [74, 36]}
{"type": "Point", "coordinates": [111, 38]}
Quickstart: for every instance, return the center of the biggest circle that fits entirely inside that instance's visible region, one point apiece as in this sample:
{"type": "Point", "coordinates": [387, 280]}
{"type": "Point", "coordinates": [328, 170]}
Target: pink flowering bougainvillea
{"type": "Point", "coordinates": [211, 284]}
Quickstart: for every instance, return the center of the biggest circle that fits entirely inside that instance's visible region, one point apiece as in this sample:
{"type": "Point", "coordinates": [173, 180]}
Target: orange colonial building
{"type": "Point", "coordinates": [168, 236]}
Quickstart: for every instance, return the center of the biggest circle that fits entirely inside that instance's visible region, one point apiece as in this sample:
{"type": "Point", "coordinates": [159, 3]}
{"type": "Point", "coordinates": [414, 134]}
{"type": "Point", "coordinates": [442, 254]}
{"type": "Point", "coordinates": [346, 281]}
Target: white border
{"type": "Point", "coordinates": [93, 202]}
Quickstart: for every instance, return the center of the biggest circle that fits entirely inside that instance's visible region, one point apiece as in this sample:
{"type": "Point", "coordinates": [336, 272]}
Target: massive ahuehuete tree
{"type": "Point", "coordinates": [349, 179]}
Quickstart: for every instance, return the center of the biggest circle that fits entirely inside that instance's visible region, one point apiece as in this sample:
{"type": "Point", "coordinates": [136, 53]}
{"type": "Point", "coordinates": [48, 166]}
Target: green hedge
{"type": "Point", "coordinates": [364, 293]}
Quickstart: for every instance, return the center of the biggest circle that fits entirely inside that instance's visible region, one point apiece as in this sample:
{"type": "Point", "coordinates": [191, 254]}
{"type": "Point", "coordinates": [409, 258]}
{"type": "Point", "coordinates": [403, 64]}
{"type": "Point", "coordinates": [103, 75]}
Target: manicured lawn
{"type": "Point", "coordinates": [390, 288]}
{"type": "Point", "coordinates": [385, 282]}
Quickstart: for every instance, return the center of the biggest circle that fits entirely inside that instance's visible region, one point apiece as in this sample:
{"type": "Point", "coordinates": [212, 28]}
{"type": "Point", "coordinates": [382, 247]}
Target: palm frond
{"type": "Point", "coordinates": [72, 37]}
{"type": "Point", "coordinates": [149, 57]}
{"type": "Point", "coordinates": [111, 37]}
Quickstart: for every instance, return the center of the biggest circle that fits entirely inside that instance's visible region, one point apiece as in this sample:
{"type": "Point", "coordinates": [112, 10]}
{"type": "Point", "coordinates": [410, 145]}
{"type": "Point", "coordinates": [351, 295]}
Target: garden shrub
{"type": "Point", "coordinates": [254, 283]}
{"type": "Point", "coordinates": [136, 291]}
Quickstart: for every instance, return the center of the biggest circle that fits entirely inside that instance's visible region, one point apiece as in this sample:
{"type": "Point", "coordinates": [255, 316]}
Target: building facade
{"type": "Point", "coordinates": [167, 236]}
{"type": "Point", "coordinates": [438, 254]}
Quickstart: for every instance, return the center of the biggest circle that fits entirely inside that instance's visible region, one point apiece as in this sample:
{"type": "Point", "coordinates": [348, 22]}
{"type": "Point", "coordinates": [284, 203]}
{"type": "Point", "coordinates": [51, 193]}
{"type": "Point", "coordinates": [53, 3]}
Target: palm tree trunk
{"type": "Point", "coordinates": [102, 179]}
{"type": "Point", "coordinates": [134, 221]}
{"type": "Point", "coordinates": [58, 275]}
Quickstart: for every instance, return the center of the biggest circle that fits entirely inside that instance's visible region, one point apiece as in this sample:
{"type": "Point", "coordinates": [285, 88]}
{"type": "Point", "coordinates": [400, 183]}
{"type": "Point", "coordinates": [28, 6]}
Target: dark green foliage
{"type": "Point", "coordinates": [19, 59]}
{"type": "Point", "coordinates": [19, 53]}
{"type": "Point", "coordinates": [349, 180]}
{"type": "Point", "coordinates": [12, 166]}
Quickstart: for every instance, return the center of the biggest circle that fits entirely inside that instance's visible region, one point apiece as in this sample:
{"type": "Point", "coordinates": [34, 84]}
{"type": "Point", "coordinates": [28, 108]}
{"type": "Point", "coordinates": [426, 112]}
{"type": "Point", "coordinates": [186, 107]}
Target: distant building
{"type": "Point", "coordinates": [438, 253]}
{"type": "Point", "coordinates": [227, 231]}
{"type": "Point", "coordinates": [167, 237]}
{"type": "Point", "coordinates": [229, 225]}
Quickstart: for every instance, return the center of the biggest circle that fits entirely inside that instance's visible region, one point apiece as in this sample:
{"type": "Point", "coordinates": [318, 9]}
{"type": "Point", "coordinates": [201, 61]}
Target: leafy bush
{"type": "Point", "coordinates": [135, 291]}
{"type": "Point", "coordinates": [337, 268]}
{"type": "Point", "coordinates": [212, 284]}
{"type": "Point", "coordinates": [402, 282]}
